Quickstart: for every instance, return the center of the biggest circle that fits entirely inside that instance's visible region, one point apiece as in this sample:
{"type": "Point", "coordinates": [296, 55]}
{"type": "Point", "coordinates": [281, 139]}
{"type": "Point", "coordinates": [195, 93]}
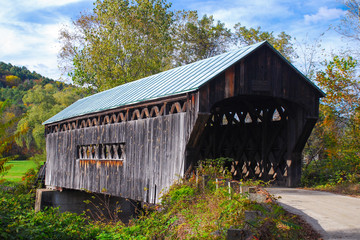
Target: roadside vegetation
{"type": "Point", "coordinates": [332, 152]}
{"type": "Point", "coordinates": [191, 209]}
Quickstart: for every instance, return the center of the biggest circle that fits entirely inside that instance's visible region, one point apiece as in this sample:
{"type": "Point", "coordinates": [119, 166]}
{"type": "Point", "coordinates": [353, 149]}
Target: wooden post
{"type": "Point", "coordinates": [229, 189]}
{"type": "Point", "coordinates": [294, 170]}
{"type": "Point", "coordinates": [197, 178]}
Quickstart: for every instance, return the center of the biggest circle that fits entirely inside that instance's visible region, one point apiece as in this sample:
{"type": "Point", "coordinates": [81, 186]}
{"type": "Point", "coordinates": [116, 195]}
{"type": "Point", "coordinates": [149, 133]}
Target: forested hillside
{"type": "Point", "coordinates": [28, 99]}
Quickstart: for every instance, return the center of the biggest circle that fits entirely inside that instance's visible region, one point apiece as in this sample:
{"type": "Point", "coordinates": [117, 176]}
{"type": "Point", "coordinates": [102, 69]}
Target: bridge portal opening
{"type": "Point", "coordinates": [253, 131]}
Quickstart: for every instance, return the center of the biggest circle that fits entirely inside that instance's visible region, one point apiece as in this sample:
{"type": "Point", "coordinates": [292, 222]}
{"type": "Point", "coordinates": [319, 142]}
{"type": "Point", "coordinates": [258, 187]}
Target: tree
{"type": "Point", "coordinates": [6, 137]}
{"type": "Point", "coordinates": [341, 106]}
{"type": "Point", "coordinates": [22, 72]}
{"type": "Point", "coordinates": [310, 55]}
{"type": "Point", "coordinates": [282, 43]}
{"type": "Point", "coordinates": [350, 23]}
{"type": "Point", "coordinates": [341, 84]}
{"type": "Point", "coordinates": [43, 102]}
{"type": "Point", "coordinates": [336, 136]}
{"type": "Point", "coordinates": [196, 39]}
{"type": "Point", "coordinates": [120, 41]}
{"type": "Point", "coordinates": [12, 81]}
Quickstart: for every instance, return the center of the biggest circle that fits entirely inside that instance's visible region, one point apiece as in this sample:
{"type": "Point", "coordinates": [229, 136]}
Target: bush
{"type": "Point", "coordinates": [342, 168]}
{"type": "Point", "coordinates": [216, 168]}
{"type": "Point", "coordinates": [18, 219]}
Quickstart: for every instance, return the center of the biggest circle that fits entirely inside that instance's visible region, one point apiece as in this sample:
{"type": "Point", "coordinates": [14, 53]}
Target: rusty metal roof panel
{"type": "Point", "coordinates": [172, 82]}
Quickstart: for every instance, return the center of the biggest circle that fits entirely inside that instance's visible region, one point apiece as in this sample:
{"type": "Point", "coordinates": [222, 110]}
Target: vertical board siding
{"type": "Point", "coordinates": [263, 73]}
{"type": "Point", "coordinates": [155, 152]}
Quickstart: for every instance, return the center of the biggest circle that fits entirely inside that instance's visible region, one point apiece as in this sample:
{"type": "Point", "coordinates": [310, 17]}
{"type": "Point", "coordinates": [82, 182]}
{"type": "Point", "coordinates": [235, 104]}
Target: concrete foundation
{"type": "Point", "coordinates": [94, 205]}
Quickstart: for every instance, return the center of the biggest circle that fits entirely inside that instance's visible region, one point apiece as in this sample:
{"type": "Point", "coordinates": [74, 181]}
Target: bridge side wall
{"type": "Point", "coordinates": [152, 157]}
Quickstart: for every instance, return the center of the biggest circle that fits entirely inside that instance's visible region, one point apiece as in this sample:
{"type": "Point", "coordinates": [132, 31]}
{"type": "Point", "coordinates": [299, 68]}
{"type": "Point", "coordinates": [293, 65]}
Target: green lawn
{"type": "Point", "coordinates": [18, 169]}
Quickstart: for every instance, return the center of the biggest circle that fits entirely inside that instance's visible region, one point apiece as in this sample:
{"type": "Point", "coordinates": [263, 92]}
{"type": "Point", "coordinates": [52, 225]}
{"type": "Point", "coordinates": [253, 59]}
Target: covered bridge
{"type": "Point", "coordinates": [134, 140]}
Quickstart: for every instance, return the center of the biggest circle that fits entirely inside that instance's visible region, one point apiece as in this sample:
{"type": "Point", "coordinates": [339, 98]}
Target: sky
{"type": "Point", "coordinates": [29, 29]}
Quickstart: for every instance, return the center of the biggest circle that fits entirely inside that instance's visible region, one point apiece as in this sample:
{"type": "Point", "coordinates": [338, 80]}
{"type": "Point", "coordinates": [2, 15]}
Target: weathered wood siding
{"type": "Point", "coordinates": [155, 157]}
{"type": "Point", "coordinates": [262, 73]}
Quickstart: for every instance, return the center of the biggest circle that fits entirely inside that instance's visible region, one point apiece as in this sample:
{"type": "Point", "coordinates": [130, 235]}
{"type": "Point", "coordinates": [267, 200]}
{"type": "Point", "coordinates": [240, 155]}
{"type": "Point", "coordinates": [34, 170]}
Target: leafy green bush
{"type": "Point", "coordinates": [18, 219]}
{"type": "Point", "coordinates": [51, 224]}
{"type": "Point", "coordinates": [343, 168]}
{"type": "Point", "coordinates": [216, 168]}
{"type": "Point", "coordinates": [177, 193]}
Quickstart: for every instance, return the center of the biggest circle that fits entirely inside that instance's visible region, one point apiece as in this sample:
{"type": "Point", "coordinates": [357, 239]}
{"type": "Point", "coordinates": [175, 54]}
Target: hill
{"type": "Point", "coordinates": [31, 99]}
{"type": "Point", "coordinates": [22, 73]}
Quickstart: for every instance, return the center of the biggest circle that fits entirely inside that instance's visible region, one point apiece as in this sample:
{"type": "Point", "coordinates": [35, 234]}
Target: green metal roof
{"type": "Point", "coordinates": [174, 81]}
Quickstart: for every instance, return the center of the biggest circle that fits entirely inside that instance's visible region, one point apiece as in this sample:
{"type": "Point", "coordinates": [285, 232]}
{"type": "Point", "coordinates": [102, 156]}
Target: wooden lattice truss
{"type": "Point", "coordinates": [253, 133]}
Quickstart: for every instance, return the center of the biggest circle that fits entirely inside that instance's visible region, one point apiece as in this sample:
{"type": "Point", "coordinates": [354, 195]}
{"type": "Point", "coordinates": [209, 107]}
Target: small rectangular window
{"type": "Point", "coordinates": [109, 151]}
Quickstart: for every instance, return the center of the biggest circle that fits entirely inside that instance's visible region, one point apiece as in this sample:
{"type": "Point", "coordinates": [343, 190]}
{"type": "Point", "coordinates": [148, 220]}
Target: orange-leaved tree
{"type": "Point", "coordinates": [336, 137]}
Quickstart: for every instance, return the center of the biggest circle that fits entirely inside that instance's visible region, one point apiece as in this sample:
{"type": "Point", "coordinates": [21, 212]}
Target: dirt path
{"type": "Point", "coordinates": [333, 216]}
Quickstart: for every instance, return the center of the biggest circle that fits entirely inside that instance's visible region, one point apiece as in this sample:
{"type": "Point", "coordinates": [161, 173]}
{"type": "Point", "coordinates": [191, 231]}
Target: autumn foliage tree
{"type": "Point", "coordinates": [281, 42]}
{"type": "Point", "coordinates": [12, 80]}
{"type": "Point", "coordinates": [340, 108]}
{"type": "Point", "coordinates": [196, 38]}
{"type": "Point", "coordinates": [120, 41]}
{"type": "Point", "coordinates": [336, 138]}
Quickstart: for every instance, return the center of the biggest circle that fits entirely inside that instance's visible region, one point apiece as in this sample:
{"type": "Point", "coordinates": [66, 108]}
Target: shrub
{"type": "Point", "coordinates": [343, 168]}
{"type": "Point", "coordinates": [216, 168]}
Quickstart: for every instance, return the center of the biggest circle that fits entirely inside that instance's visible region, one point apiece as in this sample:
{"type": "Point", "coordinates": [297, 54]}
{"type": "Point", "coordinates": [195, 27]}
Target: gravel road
{"type": "Point", "coordinates": [333, 216]}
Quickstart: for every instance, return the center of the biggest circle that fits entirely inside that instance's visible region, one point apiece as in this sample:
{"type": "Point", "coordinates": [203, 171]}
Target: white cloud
{"type": "Point", "coordinates": [32, 5]}
{"type": "Point", "coordinates": [324, 14]}
{"type": "Point", "coordinates": [249, 13]}
{"type": "Point", "coordinates": [293, 17]}
{"type": "Point", "coordinates": [33, 43]}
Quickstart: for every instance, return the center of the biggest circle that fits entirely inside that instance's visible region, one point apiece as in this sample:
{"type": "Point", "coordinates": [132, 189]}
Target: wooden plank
{"type": "Point", "coordinates": [153, 155]}
{"type": "Point", "coordinates": [242, 78]}
{"type": "Point", "coordinates": [230, 82]}
{"type": "Point", "coordinates": [147, 161]}
{"type": "Point", "coordinates": [204, 101]}
{"type": "Point", "coordinates": [141, 160]}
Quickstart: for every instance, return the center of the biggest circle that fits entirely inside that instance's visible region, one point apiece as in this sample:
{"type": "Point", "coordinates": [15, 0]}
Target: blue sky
{"type": "Point", "coordinates": [29, 28]}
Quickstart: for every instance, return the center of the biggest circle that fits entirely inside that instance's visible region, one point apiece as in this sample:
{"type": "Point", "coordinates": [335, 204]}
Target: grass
{"type": "Point", "coordinates": [18, 169]}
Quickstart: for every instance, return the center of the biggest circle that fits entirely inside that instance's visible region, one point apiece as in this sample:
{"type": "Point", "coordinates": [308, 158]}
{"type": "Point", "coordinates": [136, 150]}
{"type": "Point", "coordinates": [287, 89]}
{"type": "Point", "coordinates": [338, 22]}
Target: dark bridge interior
{"type": "Point", "coordinates": [253, 132]}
